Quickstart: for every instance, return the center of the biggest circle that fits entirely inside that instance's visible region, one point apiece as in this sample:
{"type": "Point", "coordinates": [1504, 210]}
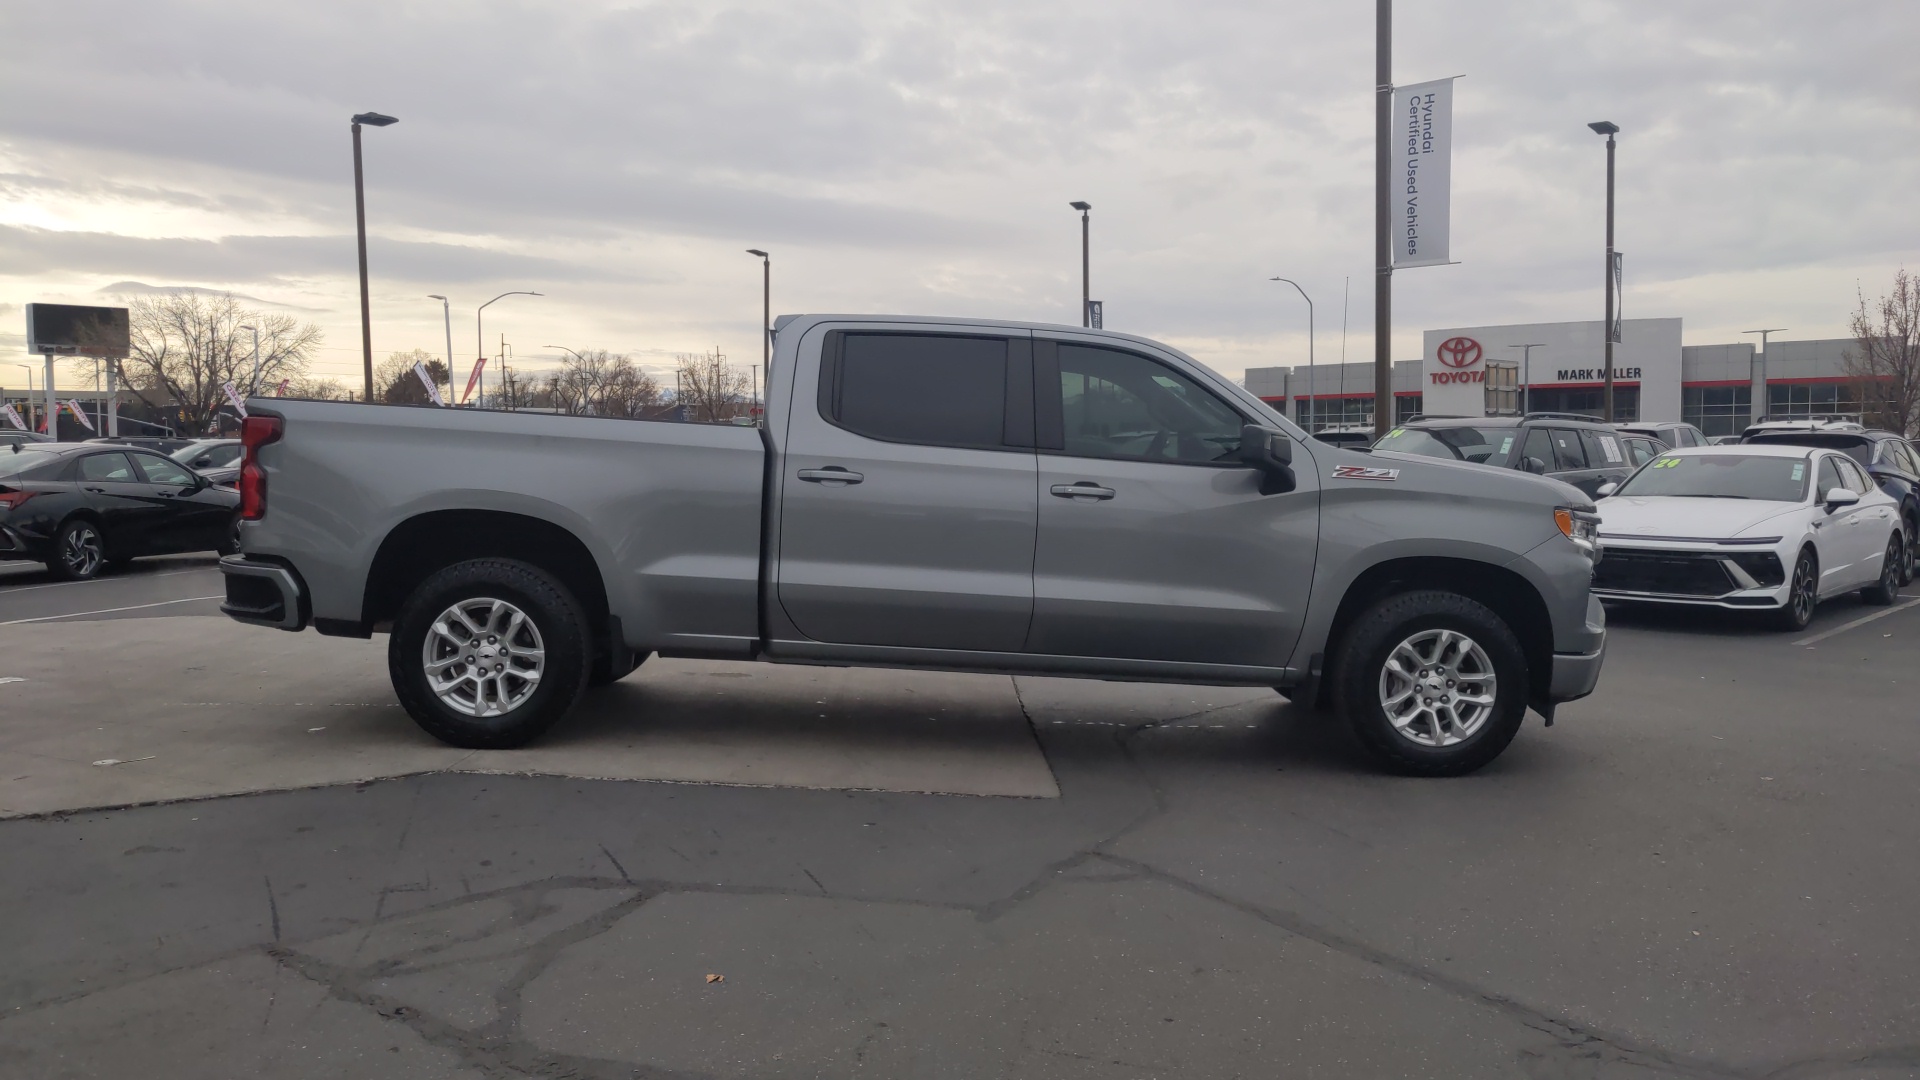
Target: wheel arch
{"type": "Point", "coordinates": [431, 541]}
{"type": "Point", "coordinates": [1505, 592]}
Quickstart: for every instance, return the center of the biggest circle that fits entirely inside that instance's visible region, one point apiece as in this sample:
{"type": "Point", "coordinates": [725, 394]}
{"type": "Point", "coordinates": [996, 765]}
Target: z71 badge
{"type": "Point", "coordinates": [1363, 472]}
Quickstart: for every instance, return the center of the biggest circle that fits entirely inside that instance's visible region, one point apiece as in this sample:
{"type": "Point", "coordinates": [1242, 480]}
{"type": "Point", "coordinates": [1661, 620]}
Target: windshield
{"type": "Point", "coordinates": [1489, 446]}
{"type": "Point", "coordinates": [12, 464]}
{"type": "Point", "coordinates": [1722, 476]}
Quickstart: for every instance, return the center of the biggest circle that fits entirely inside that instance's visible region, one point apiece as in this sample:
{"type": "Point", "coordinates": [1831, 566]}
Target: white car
{"type": "Point", "coordinates": [1761, 527]}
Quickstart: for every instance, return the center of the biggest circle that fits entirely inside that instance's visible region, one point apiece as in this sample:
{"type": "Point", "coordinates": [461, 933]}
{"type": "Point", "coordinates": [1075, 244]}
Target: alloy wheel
{"type": "Point", "coordinates": [1802, 596]}
{"type": "Point", "coordinates": [1438, 687]}
{"type": "Point", "coordinates": [483, 657]}
{"type": "Point", "coordinates": [82, 551]}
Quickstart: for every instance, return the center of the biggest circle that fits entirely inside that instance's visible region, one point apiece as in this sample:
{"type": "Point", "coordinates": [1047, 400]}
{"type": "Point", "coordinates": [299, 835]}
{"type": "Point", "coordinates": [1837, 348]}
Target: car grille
{"type": "Point", "coordinates": [1668, 573]}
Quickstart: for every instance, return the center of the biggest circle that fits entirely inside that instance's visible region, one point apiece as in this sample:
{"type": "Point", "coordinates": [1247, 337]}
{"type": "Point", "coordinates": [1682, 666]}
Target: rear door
{"type": "Point", "coordinates": [129, 517]}
{"type": "Point", "coordinates": [1155, 542]}
{"type": "Point", "coordinates": [1570, 460]}
{"type": "Point", "coordinates": [1606, 457]}
{"type": "Point", "coordinates": [908, 510]}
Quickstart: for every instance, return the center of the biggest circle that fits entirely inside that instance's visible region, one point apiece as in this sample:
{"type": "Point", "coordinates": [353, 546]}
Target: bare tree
{"type": "Point", "coordinates": [313, 389]}
{"type": "Point", "coordinates": [600, 383]}
{"type": "Point", "coordinates": [186, 345]}
{"type": "Point", "coordinates": [1885, 360]}
{"type": "Point", "coordinates": [710, 388]}
{"type": "Point", "coordinates": [395, 383]}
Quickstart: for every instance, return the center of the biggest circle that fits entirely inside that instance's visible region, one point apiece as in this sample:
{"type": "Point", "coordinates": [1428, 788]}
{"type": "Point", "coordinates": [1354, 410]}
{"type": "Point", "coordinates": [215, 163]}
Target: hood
{"type": "Point", "coordinates": [1466, 477]}
{"type": "Point", "coordinates": [1626, 516]}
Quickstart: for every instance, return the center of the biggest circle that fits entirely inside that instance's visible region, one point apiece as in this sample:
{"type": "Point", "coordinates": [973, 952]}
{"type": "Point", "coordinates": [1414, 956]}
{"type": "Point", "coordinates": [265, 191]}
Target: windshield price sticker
{"type": "Point", "coordinates": [1612, 447]}
{"type": "Point", "coordinates": [1506, 445]}
{"type": "Point", "coordinates": [1799, 470]}
{"type": "Point", "coordinates": [1666, 463]}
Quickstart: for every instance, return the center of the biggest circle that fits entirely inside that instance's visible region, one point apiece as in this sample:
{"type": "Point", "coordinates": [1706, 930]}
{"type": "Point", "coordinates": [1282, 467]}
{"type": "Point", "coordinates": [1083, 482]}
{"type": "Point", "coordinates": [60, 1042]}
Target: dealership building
{"type": "Point", "coordinates": [1489, 370]}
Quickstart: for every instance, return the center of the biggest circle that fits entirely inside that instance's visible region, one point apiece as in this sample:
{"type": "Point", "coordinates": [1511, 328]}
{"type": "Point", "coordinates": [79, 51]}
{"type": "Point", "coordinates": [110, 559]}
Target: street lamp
{"type": "Point", "coordinates": [1526, 373]}
{"type": "Point", "coordinates": [1309, 300]}
{"type": "Point", "coordinates": [1609, 129]}
{"type": "Point", "coordinates": [480, 342]}
{"type": "Point", "coordinates": [1765, 408]}
{"type": "Point", "coordinates": [371, 119]}
{"type": "Point", "coordinates": [766, 319]}
{"type": "Point", "coordinates": [446, 312]}
{"type": "Point", "coordinates": [1086, 290]}
{"type": "Point", "coordinates": [253, 385]}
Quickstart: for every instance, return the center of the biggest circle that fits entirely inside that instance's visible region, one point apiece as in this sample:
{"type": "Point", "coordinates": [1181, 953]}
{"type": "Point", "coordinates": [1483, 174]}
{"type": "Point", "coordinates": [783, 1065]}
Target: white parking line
{"type": "Point", "coordinates": [100, 580]}
{"type": "Point", "coordinates": [111, 610]}
{"type": "Point", "coordinates": [1861, 621]}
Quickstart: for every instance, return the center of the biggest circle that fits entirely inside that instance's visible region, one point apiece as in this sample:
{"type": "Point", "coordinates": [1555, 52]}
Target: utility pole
{"type": "Point", "coordinates": [1086, 265]}
{"type": "Point", "coordinates": [1382, 210]}
{"type": "Point", "coordinates": [1609, 129]}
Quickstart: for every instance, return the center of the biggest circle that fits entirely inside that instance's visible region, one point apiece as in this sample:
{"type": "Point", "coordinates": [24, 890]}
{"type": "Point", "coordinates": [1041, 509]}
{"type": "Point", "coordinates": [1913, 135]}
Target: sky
{"type": "Point", "coordinates": [909, 157]}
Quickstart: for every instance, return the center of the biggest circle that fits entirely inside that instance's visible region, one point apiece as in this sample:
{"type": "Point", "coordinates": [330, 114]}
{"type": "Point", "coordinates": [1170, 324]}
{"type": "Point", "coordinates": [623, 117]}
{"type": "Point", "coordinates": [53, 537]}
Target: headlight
{"type": "Point", "coordinates": [1580, 526]}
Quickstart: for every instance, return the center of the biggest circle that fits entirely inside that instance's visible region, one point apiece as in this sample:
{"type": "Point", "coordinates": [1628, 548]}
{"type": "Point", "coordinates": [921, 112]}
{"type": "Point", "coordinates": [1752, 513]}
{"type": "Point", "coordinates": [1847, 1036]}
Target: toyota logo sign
{"type": "Point", "coordinates": [1459, 352]}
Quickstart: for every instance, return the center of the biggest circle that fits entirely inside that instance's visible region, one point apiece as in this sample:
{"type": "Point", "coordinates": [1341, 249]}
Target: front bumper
{"type": "Point", "coordinates": [1575, 675]}
{"type": "Point", "coordinates": [1697, 575]}
{"type": "Point", "coordinates": [264, 594]}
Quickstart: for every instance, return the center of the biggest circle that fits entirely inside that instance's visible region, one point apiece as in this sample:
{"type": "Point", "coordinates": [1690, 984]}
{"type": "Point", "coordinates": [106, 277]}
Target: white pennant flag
{"type": "Point", "coordinates": [13, 417]}
{"type": "Point", "coordinates": [426, 380]}
{"type": "Point", "coordinates": [73, 406]}
{"type": "Point", "coordinates": [233, 397]}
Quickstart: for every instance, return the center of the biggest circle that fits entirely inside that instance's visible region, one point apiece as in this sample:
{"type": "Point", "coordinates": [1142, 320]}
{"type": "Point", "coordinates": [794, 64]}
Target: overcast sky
{"type": "Point", "coordinates": [899, 156]}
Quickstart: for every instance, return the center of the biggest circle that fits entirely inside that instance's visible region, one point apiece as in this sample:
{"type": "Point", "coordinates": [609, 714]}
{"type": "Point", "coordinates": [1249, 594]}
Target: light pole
{"type": "Point", "coordinates": [1382, 213]}
{"type": "Point", "coordinates": [1526, 373]}
{"type": "Point", "coordinates": [1310, 409]}
{"type": "Point", "coordinates": [29, 417]}
{"type": "Point", "coordinates": [371, 119]}
{"type": "Point", "coordinates": [480, 342]}
{"type": "Point", "coordinates": [1609, 129]}
{"type": "Point", "coordinates": [766, 319]}
{"type": "Point", "coordinates": [1765, 409]}
{"type": "Point", "coordinates": [1086, 284]}
{"type": "Point", "coordinates": [253, 385]}
{"type": "Point", "coordinates": [446, 312]}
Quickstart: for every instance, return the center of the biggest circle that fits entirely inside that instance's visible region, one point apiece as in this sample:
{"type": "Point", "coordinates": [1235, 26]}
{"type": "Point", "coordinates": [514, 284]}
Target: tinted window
{"type": "Point", "coordinates": [1641, 451]}
{"type": "Point", "coordinates": [1829, 479]}
{"type": "Point", "coordinates": [1603, 450]}
{"type": "Point", "coordinates": [1489, 446]}
{"type": "Point", "coordinates": [161, 471]}
{"type": "Point", "coordinates": [1909, 463]}
{"type": "Point", "coordinates": [216, 455]}
{"type": "Point", "coordinates": [1566, 449]}
{"type": "Point", "coordinates": [920, 388]}
{"type": "Point", "coordinates": [1539, 448]}
{"type": "Point", "coordinates": [1855, 477]}
{"type": "Point", "coordinates": [107, 467]}
{"type": "Point", "coordinates": [1723, 476]}
{"type": "Point", "coordinates": [1122, 405]}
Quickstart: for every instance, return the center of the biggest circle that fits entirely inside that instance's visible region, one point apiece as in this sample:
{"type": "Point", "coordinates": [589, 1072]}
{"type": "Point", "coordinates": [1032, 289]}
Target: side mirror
{"type": "Point", "coordinates": [1270, 451]}
{"type": "Point", "coordinates": [1534, 465]}
{"type": "Point", "coordinates": [1607, 489]}
{"type": "Point", "coordinates": [202, 461]}
{"type": "Point", "coordinates": [1840, 497]}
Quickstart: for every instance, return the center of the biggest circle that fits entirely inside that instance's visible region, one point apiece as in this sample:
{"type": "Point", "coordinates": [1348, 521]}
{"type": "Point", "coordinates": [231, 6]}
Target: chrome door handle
{"type": "Point", "coordinates": [1082, 490]}
{"type": "Point", "coordinates": [832, 474]}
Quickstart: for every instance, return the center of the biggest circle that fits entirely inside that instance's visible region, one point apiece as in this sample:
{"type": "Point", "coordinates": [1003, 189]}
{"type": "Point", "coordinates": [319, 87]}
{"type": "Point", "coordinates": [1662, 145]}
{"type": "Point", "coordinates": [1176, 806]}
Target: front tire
{"type": "Point", "coordinates": [1886, 590]}
{"type": "Point", "coordinates": [488, 654]}
{"type": "Point", "coordinates": [1803, 595]}
{"type": "Point", "coordinates": [79, 551]}
{"type": "Point", "coordinates": [1433, 683]}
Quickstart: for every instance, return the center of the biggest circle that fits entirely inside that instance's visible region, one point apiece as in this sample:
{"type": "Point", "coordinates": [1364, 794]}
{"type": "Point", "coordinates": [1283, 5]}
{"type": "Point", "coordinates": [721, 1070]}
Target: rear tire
{"type": "Point", "coordinates": [524, 666]}
{"type": "Point", "coordinates": [79, 551]}
{"type": "Point", "coordinates": [1803, 594]}
{"type": "Point", "coordinates": [1432, 683]}
{"type": "Point", "coordinates": [1886, 590]}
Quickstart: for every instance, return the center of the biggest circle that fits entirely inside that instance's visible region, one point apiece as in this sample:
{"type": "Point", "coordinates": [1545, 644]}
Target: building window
{"type": "Point", "coordinates": [1717, 410]}
{"type": "Point", "coordinates": [1837, 399]}
{"type": "Point", "coordinates": [1588, 400]}
{"type": "Point", "coordinates": [1405, 405]}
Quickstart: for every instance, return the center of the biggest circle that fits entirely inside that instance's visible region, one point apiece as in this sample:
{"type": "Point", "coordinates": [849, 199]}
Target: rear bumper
{"type": "Point", "coordinates": [264, 594]}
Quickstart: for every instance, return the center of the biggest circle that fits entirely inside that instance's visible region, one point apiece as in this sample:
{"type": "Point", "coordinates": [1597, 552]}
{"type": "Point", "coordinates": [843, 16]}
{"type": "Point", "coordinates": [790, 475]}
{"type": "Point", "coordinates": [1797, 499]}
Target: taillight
{"type": "Point", "coordinates": [11, 500]}
{"type": "Point", "coordinates": [255, 432]}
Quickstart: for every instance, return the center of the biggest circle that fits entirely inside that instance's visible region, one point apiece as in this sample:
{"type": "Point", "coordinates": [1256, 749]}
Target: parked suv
{"type": "Point", "coordinates": [1889, 459]}
{"type": "Point", "coordinates": [1565, 446]}
{"type": "Point", "coordinates": [1676, 435]}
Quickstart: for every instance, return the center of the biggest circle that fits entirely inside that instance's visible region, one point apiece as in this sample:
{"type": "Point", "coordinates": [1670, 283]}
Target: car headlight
{"type": "Point", "coordinates": [1580, 526]}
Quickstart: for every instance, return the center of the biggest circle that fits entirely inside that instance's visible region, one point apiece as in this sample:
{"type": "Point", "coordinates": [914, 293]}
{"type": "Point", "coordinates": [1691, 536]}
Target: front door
{"type": "Point", "coordinates": [192, 519]}
{"type": "Point", "coordinates": [907, 510]}
{"type": "Point", "coordinates": [129, 519]}
{"type": "Point", "coordinates": [1155, 542]}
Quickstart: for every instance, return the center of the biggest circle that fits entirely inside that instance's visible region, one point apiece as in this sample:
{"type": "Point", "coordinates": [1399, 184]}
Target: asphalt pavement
{"type": "Point", "coordinates": [1704, 870]}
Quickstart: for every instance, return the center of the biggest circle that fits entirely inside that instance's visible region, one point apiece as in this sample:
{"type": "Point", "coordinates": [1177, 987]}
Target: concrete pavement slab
{"type": "Point", "coordinates": [197, 707]}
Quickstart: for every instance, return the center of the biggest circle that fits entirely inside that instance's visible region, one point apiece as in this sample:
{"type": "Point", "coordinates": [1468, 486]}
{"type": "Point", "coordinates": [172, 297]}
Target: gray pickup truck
{"type": "Point", "coordinates": [945, 494]}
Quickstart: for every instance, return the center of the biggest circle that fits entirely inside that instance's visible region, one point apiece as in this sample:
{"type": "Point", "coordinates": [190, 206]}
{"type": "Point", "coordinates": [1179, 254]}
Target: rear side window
{"type": "Point", "coordinates": [111, 468]}
{"type": "Point", "coordinates": [931, 389]}
{"type": "Point", "coordinates": [1603, 450]}
{"type": "Point", "coordinates": [159, 470]}
{"type": "Point", "coordinates": [1904, 454]}
{"type": "Point", "coordinates": [1566, 449]}
{"type": "Point", "coordinates": [1856, 477]}
{"type": "Point", "coordinates": [1538, 447]}
{"type": "Point", "coordinates": [1641, 451]}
